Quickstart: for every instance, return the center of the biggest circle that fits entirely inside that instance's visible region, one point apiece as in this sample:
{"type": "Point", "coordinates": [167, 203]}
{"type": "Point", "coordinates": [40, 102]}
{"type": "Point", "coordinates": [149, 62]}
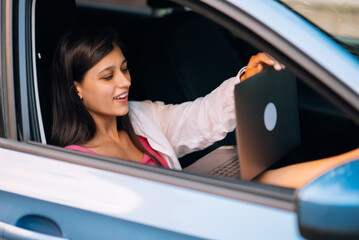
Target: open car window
{"type": "Point", "coordinates": [175, 55]}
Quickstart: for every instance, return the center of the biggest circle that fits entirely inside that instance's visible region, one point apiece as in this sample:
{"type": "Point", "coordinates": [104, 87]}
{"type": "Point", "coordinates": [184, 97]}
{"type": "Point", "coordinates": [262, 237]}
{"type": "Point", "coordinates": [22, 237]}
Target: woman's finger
{"type": "Point", "coordinates": [260, 58]}
{"type": "Point", "coordinates": [267, 59]}
{"type": "Point", "coordinates": [276, 64]}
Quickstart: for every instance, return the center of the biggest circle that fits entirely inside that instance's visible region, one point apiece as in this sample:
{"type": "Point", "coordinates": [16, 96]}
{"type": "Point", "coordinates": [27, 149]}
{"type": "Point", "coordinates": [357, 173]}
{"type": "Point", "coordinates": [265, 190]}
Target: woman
{"type": "Point", "coordinates": [92, 113]}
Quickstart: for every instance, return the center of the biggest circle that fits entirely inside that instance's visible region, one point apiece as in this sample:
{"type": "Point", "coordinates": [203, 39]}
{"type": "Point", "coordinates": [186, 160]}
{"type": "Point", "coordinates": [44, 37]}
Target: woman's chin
{"type": "Point", "coordinates": [123, 111]}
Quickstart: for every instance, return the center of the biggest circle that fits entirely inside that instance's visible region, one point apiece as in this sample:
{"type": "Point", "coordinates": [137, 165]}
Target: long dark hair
{"type": "Point", "coordinates": [76, 53]}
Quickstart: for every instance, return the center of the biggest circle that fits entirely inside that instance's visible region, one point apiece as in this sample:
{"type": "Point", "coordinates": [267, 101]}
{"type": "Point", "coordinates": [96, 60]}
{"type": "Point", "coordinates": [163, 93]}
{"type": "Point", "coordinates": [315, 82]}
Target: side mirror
{"type": "Point", "coordinates": [328, 207]}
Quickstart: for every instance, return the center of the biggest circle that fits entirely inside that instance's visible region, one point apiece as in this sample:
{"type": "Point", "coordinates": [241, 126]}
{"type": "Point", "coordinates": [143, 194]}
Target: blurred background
{"type": "Point", "coordinates": [338, 17]}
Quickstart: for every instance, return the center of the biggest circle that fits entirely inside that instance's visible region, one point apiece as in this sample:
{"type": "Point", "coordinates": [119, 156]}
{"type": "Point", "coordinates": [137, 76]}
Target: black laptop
{"type": "Point", "coordinates": [267, 127]}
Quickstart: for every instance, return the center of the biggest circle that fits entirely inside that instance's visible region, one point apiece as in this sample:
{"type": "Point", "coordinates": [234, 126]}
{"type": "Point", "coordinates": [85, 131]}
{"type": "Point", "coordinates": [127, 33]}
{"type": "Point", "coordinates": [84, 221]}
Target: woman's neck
{"type": "Point", "coordinates": [108, 141]}
{"type": "Point", "coordinates": [106, 131]}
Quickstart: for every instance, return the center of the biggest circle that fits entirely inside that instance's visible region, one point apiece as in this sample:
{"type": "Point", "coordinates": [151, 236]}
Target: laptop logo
{"type": "Point", "coordinates": [270, 116]}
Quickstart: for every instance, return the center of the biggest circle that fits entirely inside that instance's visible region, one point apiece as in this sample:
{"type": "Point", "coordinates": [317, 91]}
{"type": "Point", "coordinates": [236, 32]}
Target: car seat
{"type": "Point", "coordinates": [181, 57]}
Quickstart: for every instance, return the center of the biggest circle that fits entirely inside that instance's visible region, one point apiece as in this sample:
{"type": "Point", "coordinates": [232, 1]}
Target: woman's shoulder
{"type": "Point", "coordinates": [147, 108]}
{"type": "Point", "coordinates": [146, 104]}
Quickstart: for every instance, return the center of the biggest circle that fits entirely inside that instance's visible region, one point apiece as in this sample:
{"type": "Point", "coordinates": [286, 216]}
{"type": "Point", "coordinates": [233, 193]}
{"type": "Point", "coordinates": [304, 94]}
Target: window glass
{"type": "Point", "coordinates": [339, 18]}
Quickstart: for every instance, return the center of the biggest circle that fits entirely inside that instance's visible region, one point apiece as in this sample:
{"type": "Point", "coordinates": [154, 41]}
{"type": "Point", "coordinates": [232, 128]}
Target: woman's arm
{"type": "Point", "coordinates": [192, 126]}
{"type": "Point", "coordinates": [297, 175]}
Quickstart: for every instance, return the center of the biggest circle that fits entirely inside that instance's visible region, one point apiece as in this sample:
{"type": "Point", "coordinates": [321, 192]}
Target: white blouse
{"type": "Point", "coordinates": [176, 130]}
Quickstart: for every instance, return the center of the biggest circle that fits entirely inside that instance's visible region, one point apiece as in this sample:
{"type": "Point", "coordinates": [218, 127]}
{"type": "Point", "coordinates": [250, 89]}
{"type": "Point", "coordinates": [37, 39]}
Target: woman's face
{"type": "Point", "coordinates": [105, 87]}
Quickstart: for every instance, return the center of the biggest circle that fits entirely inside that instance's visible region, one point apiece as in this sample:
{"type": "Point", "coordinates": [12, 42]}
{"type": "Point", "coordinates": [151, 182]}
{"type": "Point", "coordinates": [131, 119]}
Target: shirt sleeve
{"type": "Point", "coordinates": [192, 126]}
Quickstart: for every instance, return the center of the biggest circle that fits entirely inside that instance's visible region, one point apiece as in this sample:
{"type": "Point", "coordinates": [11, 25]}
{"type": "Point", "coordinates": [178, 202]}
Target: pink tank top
{"type": "Point", "coordinates": [146, 159]}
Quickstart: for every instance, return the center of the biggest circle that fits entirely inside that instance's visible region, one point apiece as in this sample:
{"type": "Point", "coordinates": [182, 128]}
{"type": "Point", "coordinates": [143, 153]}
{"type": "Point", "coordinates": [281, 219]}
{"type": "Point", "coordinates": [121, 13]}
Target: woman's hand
{"type": "Point", "coordinates": [259, 62]}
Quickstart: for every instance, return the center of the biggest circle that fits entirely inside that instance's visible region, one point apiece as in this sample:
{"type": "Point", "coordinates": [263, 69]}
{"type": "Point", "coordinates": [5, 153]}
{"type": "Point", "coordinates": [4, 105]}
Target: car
{"type": "Point", "coordinates": [177, 51]}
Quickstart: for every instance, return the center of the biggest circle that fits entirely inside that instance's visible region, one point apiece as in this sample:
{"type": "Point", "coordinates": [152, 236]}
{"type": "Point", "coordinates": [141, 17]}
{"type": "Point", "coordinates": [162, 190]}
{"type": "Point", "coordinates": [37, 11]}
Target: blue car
{"type": "Point", "coordinates": [178, 51]}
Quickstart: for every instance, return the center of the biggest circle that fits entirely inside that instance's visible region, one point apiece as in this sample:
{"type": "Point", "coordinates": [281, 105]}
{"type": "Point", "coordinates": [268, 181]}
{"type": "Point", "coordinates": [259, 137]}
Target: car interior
{"type": "Point", "coordinates": [177, 55]}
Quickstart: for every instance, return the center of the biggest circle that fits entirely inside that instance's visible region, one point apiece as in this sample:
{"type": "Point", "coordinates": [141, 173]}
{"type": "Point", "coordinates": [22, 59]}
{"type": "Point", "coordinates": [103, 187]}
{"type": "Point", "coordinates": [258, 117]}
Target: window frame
{"type": "Point", "coordinates": [2, 127]}
{"type": "Point", "coordinates": [272, 196]}
{"type": "Point", "coordinates": [8, 116]}
{"type": "Point", "coordinates": [267, 195]}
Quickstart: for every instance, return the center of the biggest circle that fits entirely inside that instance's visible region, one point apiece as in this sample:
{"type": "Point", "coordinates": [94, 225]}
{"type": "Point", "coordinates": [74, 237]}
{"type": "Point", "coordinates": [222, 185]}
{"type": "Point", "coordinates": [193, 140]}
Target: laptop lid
{"type": "Point", "coordinates": [267, 120]}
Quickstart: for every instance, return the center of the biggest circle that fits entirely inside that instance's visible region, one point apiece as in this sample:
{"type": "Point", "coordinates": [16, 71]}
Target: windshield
{"type": "Point", "coordinates": [338, 18]}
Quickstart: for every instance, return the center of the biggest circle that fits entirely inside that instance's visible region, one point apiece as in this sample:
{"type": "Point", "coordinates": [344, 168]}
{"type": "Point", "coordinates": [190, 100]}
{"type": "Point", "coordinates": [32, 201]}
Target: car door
{"type": "Point", "coordinates": [47, 191]}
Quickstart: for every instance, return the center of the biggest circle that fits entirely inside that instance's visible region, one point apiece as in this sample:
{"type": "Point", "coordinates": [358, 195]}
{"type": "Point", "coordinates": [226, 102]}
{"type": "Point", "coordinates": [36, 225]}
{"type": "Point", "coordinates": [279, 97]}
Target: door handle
{"type": "Point", "coordinates": [10, 232]}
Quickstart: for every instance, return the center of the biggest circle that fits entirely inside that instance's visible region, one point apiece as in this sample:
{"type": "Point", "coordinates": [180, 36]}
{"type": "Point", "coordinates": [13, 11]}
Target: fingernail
{"type": "Point", "coordinates": [277, 66]}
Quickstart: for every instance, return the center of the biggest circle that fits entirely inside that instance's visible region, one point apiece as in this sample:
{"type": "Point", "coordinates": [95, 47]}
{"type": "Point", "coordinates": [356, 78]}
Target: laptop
{"type": "Point", "coordinates": [267, 127]}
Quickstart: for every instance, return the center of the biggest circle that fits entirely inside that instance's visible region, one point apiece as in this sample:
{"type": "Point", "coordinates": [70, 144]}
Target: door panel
{"type": "Point", "coordinates": [89, 203]}
{"type": "Point", "coordinates": [76, 223]}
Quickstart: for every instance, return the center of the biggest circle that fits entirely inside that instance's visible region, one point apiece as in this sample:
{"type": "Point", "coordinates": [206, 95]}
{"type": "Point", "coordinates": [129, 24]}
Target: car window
{"type": "Point", "coordinates": [180, 56]}
{"type": "Point", "coordinates": [336, 17]}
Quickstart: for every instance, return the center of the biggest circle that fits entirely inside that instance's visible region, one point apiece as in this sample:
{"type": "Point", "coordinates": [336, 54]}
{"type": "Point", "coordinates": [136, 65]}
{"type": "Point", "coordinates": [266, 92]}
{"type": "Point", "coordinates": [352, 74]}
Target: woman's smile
{"type": "Point", "coordinates": [122, 98]}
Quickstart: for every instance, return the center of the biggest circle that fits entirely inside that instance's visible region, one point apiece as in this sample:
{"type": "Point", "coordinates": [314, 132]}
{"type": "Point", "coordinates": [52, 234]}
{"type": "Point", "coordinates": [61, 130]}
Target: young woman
{"type": "Point", "coordinates": [91, 85]}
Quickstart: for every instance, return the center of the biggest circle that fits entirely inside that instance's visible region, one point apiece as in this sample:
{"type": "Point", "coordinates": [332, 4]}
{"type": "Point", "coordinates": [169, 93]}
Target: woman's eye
{"type": "Point", "coordinates": [108, 77]}
{"type": "Point", "coordinates": [125, 70]}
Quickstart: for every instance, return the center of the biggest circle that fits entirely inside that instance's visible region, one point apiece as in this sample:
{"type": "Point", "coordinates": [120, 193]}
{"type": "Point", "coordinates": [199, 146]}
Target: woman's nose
{"type": "Point", "coordinates": [123, 80]}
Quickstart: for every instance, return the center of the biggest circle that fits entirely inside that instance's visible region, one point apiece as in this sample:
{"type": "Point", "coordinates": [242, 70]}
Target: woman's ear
{"type": "Point", "coordinates": [78, 89]}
